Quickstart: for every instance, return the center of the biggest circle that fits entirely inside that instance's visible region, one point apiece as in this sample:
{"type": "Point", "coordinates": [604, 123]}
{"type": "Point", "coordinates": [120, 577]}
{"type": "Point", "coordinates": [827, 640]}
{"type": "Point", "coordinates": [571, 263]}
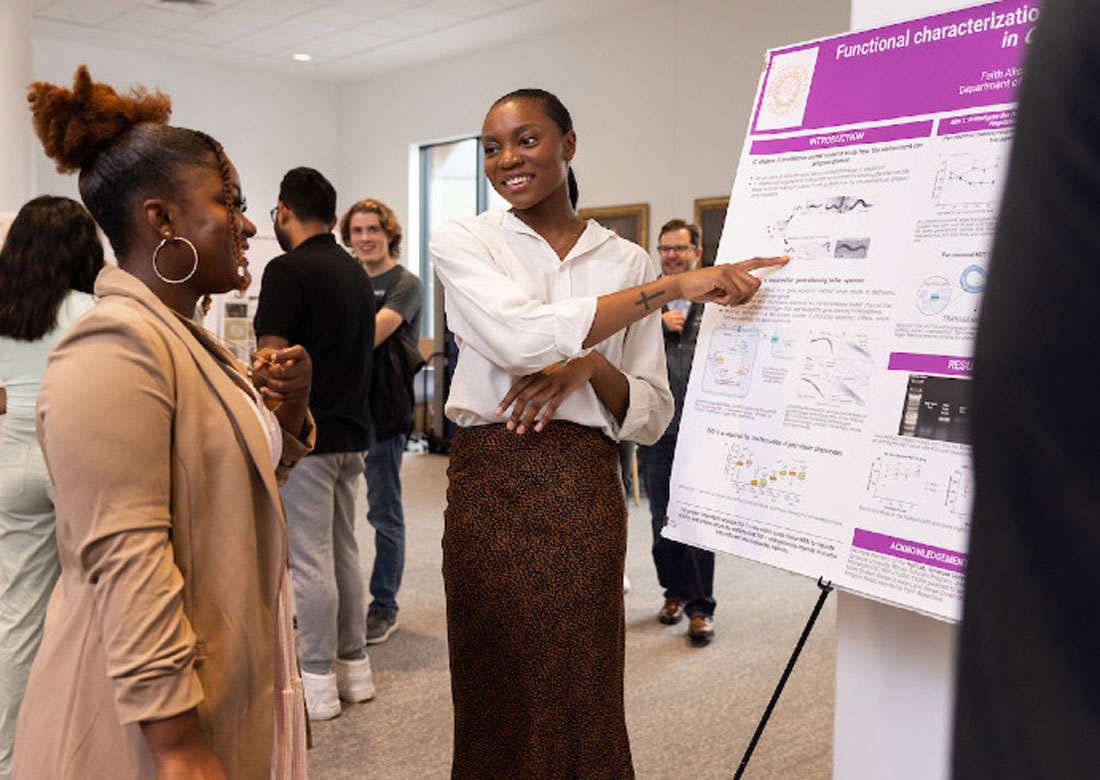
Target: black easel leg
{"type": "Point", "coordinates": [826, 589]}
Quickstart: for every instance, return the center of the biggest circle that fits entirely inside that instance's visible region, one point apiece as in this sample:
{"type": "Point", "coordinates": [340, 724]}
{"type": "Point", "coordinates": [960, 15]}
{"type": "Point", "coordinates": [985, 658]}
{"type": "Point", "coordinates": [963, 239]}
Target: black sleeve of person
{"type": "Point", "coordinates": [1028, 688]}
{"type": "Point", "coordinates": [281, 304]}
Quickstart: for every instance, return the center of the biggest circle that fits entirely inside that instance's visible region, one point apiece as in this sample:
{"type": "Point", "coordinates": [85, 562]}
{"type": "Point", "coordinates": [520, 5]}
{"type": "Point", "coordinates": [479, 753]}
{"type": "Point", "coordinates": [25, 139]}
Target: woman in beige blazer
{"type": "Point", "coordinates": [167, 650]}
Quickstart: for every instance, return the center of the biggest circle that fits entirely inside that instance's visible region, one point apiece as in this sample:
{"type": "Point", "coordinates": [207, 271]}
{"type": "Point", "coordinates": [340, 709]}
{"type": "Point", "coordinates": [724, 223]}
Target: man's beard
{"type": "Point", "coordinates": [282, 238]}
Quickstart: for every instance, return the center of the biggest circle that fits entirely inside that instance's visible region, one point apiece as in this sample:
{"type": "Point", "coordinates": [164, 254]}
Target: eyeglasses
{"type": "Point", "coordinates": [274, 213]}
{"type": "Point", "coordinates": [678, 249]}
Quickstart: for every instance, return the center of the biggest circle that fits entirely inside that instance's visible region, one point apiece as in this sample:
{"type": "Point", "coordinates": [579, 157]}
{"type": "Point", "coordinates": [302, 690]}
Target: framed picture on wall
{"type": "Point", "coordinates": [710, 216]}
{"type": "Point", "coordinates": [631, 222]}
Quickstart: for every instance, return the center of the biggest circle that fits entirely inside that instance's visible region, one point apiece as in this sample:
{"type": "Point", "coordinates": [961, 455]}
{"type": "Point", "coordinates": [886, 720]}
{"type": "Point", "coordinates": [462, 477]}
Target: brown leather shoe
{"type": "Point", "coordinates": [671, 613]}
{"type": "Point", "coordinates": [701, 630]}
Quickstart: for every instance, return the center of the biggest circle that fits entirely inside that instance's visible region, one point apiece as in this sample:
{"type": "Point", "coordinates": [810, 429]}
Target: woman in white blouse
{"type": "Point", "coordinates": [558, 360]}
{"type": "Point", "coordinates": [48, 263]}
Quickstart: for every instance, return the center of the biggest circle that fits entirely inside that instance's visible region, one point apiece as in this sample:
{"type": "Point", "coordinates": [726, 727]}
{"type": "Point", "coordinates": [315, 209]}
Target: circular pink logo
{"type": "Point", "coordinates": [787, 89]}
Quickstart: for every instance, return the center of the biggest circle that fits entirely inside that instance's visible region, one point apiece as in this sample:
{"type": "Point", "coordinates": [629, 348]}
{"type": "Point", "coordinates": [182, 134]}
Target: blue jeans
{"type": "Point", "coordinates": [685, 572]}
{"type": "Point", "coordinates": [382, 468]}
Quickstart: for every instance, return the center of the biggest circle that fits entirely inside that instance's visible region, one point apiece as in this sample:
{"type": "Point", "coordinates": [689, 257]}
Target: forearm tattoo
{"type": "Point", "coordinates": [643, 299]}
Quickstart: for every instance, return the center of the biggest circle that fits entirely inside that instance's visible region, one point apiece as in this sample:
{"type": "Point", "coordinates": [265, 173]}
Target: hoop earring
{"type": "Point", "coordinates": [194, 267]}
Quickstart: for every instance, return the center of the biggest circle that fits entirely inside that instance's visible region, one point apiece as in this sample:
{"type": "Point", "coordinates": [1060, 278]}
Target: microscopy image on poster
{"type": "Point", "coordinates": [937, 408]}
{"type": "Point", "coordinates": [833, 227]}
{"type": "Point", "coordinates": [826, 426]}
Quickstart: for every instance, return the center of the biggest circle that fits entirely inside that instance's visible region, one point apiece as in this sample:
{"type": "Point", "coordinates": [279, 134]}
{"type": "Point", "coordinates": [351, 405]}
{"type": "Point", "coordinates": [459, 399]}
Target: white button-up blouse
{"type": "Point", "coordinates": [515, 308]}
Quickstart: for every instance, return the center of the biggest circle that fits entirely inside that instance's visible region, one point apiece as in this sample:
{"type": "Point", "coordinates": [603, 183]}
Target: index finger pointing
{"type": "Point", "coordinates": [762, 262]}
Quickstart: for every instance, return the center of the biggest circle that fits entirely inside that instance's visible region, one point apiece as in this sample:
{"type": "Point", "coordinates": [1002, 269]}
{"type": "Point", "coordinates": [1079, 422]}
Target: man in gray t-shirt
{"type": "Point", "coordinates": [372, 232]}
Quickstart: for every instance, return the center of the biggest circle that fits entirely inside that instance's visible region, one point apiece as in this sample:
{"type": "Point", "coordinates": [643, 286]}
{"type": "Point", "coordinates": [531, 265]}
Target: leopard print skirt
{"type": "Point", "coordinates": [533, 552]}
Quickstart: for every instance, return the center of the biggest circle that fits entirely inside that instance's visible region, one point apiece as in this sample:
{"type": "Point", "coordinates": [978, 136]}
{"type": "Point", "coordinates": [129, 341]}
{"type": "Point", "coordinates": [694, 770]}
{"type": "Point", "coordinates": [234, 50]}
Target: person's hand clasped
{"type": "Point", "coordinates": [674, 320]}
{"type": "Point", "coordinates": [283, 375]}
{"type": "Point", "coordinates": [729, 284]}
{"type": "Point", "coordinates": [536, 397]}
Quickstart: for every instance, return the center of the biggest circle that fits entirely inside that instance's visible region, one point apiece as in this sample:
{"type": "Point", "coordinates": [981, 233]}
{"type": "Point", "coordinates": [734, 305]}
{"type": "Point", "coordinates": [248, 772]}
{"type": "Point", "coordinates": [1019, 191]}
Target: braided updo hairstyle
{"type": "Point", "coordinates": [125, 151]}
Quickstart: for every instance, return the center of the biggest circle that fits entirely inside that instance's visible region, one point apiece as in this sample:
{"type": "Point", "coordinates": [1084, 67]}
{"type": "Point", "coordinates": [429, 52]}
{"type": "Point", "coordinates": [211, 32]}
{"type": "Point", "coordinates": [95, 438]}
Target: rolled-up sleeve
{"type": "Point", "coordinates": [295, 448]}
{"type": "Point", "coordinates": [650, 406]}
{"type": "Point", "coordinates": [105, 425]}
{"type": "Point", "coordinates": [494, 315]}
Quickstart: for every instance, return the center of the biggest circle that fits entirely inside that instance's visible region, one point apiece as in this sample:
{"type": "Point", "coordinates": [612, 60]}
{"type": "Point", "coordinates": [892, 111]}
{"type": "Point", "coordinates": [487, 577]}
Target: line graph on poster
{"type": "Point", "coordinates": [836, 227]}
{"type": "Point", "coordinates": [967, 179]}
{"type": "Point", "coordinates": [903, 481]}
{"type": "Point", "coordinates": [916, 485]}
{"type": "Point", "coordinates": [837, 367]}
{"type": "Point", "coordinates": [960, 491]}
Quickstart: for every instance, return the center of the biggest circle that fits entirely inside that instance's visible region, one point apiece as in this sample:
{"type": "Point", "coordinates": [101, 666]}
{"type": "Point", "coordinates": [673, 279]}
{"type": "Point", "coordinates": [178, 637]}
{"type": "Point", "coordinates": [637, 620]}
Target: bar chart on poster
{"type": "Point", "coordinates": [825, 429]}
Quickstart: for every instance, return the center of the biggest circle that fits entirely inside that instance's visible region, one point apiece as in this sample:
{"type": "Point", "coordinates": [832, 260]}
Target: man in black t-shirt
{"type": "Point", "coordinates": [317, 296]}
{"type": "Point", "coordinates": [372, 232]}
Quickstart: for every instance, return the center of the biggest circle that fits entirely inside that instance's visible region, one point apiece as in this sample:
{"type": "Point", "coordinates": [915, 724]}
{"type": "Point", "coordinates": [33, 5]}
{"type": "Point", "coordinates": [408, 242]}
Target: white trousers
{"type": "Point", "coordinates": [29, 569]}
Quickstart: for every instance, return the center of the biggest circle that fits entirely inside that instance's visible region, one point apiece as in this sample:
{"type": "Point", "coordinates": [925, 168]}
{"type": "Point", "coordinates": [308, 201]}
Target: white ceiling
{"type": "Point", "coordinates": [347, 39]}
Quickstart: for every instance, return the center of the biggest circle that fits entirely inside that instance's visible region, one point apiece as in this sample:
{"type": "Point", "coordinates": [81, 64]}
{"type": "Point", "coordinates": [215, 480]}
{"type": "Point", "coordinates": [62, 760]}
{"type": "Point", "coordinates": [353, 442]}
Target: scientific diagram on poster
{"type": "Point", "coordinates": [730, 360]}
{"type": "Point", "coordinates": [780, 480]}
{"type": "Point", "coordinates": [837, 368]}
{"type": "Point", "coordinates": [826, 427]}
{"type": "Point", "coordinates": [833, 227]}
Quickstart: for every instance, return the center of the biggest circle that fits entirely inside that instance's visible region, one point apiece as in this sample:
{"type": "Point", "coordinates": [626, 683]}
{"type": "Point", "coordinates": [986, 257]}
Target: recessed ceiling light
{"type": "Point", "coordinates": [303, 57]}
{"type": "Point", "coordinates": [195, 3]}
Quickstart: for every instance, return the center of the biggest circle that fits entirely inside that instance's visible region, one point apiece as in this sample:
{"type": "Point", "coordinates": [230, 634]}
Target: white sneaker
{"type": "Point", "coordinates": [353, 679]}
{"type": "Point", "coordinates": [322, 701]}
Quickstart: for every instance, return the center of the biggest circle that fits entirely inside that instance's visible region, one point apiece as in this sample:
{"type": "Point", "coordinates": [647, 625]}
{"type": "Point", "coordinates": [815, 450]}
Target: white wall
{"type": "Point", "coordinates": [16, 184]}
{"type": "Point", "coordinates": [267, 124]}
{"type": "Point", "coordinates": [876, 13]}
{"type": "Point", "coordinates": [660, 100]}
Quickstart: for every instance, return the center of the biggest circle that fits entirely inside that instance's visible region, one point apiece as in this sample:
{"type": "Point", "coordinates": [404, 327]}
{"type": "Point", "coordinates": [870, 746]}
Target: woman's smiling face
{"type": "Point", "coordinates": [204, 218]}
{"type": "Point", "coordinates": [526, 153]}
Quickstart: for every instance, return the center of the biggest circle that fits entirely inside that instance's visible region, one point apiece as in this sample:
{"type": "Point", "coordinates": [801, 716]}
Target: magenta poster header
{"type": "Point", "coordinates": [864, 135]}
{"type": "Point", "coordinates": [910, 551]}
{"type": "Point", "coordinates": [954, 61]}
{"type": "Point", "coordinates": [969, 123]}
{"type": "Point", "coordinates": [947, 365]}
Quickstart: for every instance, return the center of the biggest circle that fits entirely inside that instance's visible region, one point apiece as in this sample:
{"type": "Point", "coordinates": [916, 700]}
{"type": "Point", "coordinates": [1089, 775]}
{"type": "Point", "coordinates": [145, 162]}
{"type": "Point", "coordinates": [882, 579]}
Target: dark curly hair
{"type": "Point", "coordinates": [125, 151]}
{"type": "Point", "coordinates": [52, 247]}
{"type": "Point", "coordinates": [307, 193]}
{"type": "Point", "coordinates": [558, 114]}
{"type": "Point", "coordinates": [386, 218]}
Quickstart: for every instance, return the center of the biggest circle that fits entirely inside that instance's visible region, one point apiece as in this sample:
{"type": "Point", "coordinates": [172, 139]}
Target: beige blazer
{"type": "Point", "coordinates": [173, 548]}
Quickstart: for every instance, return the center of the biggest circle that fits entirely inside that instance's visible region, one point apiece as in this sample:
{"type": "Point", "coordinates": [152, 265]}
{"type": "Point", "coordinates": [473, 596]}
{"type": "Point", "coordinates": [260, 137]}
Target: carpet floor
{"type": "Point", "coordinates": [691, 712]}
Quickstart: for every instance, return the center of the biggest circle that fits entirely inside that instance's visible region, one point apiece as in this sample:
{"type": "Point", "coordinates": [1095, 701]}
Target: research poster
{"type": "Point", "coordinates": [232, 313]}
{"type": "Point", "coordinates": [825, 427]}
